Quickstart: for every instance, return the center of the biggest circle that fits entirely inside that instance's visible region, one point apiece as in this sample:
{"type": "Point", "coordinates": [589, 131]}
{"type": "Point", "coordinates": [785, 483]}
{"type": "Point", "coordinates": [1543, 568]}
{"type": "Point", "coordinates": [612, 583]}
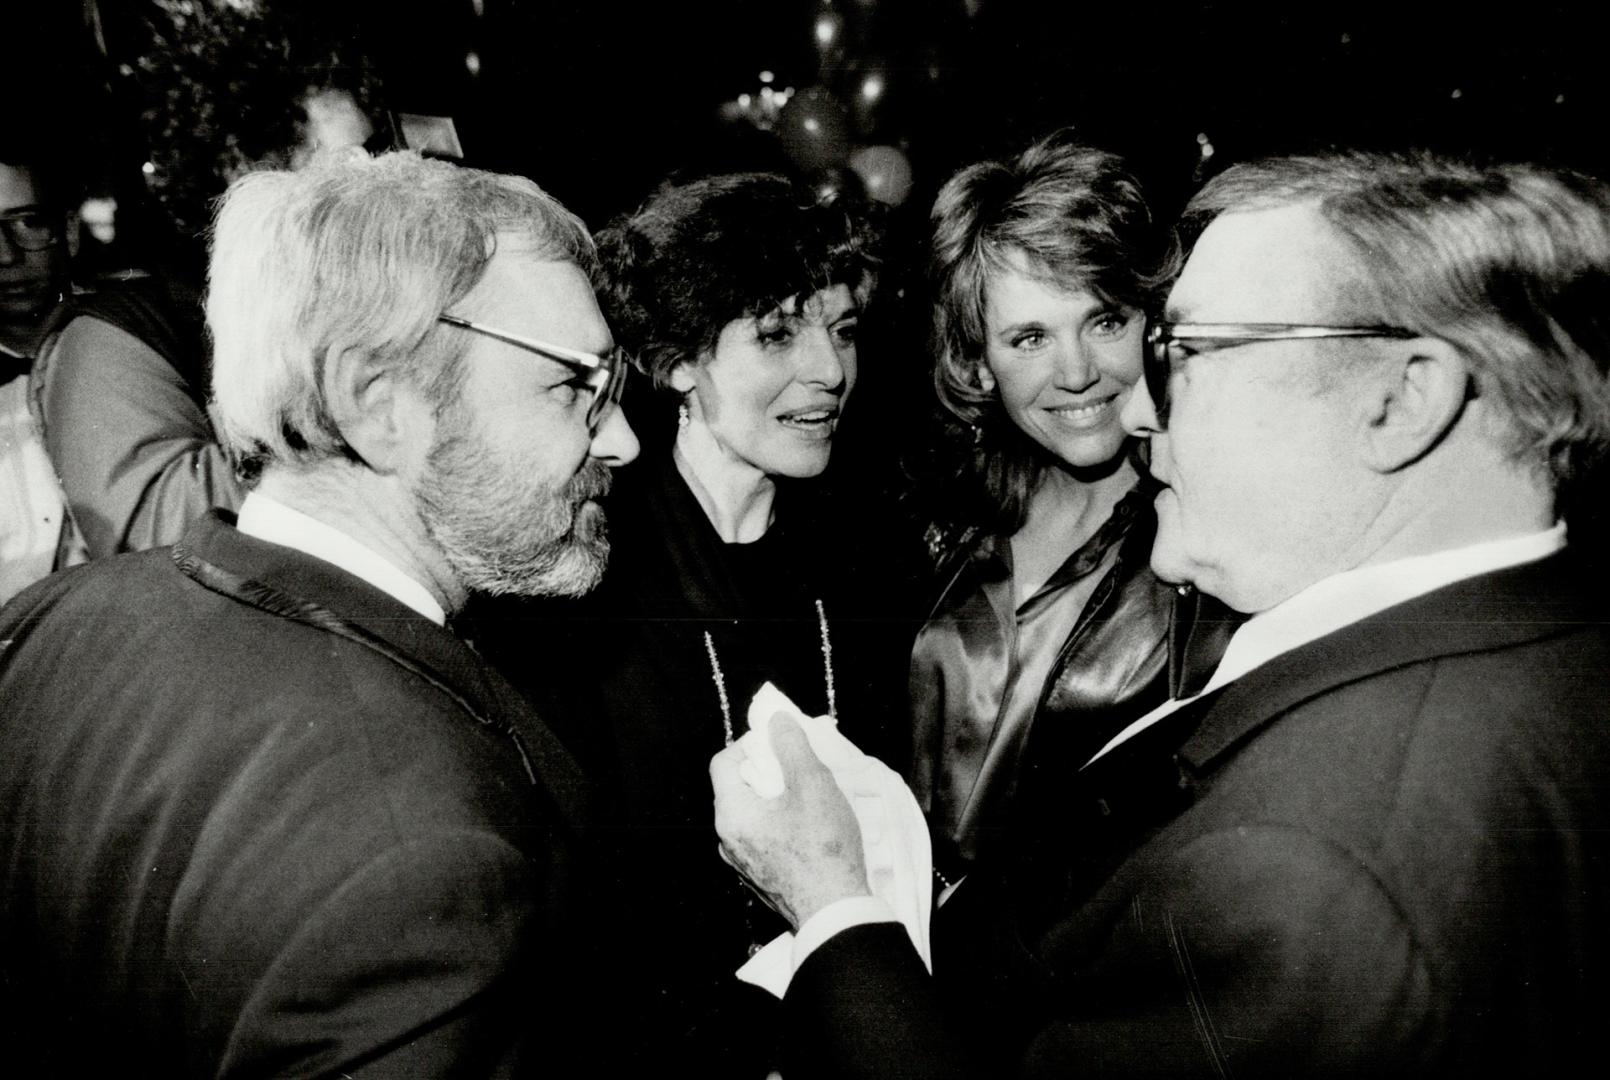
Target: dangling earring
{"type": "Point", "coordinates": [683, 417]}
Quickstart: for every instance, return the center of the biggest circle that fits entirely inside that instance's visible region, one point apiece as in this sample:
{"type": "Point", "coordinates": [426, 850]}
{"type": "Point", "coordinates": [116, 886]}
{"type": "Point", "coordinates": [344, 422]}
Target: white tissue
{"type": "Point", "coordinates": [894, 834]}
{"type": "Point", "coordinates": [760, 769]}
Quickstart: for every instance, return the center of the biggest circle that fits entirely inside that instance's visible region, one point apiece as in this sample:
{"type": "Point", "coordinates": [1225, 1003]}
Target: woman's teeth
{"type": "Point", "coordinates": [814, 418]}
{"type": "Point", "coordinates": [1076, 412]}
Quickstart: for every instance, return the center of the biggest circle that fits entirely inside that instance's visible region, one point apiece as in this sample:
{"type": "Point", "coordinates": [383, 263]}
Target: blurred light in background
{"type": "Point", "coordinates": [99, 215]}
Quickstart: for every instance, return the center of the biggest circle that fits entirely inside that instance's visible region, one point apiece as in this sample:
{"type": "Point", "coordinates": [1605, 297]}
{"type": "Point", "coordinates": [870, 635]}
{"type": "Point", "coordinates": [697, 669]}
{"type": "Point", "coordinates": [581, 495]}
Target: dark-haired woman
{"type": "Point", "coordinates": [1049, 620]}
{"type": "Point", "coordinates": [742, 298]}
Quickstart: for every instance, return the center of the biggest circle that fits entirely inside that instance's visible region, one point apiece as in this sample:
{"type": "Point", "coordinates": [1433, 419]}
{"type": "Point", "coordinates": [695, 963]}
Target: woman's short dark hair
{"type": "Point", "coordinates": [698, 255]}
{"type": "Point", "coordinates": [1078, 219]}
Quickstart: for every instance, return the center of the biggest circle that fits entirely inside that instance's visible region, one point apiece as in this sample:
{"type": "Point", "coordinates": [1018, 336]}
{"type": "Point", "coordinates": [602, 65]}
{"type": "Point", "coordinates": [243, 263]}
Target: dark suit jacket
{"type": "Point", "coordinates": [258, 818]}
{"type": "Point", "coordinates": [1386, 852]}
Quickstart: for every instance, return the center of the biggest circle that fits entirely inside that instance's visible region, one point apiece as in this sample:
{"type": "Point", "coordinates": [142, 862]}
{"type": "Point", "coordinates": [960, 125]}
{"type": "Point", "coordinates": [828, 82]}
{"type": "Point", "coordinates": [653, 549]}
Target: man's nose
{"type": "Point", "coordinates": [1139, 414]}
{"type": "Point", "coordinates": [10, 253]}
{"type": "Point", "coordinates": [614, 443]}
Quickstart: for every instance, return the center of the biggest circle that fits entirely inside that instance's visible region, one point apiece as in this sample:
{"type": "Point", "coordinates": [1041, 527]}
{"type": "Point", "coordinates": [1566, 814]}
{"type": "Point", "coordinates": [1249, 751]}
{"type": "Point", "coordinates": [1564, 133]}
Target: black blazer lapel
{"type": "Point", "coordinates": [1490, 611]}
{"type": "Point", "coordinates": [294, 585]}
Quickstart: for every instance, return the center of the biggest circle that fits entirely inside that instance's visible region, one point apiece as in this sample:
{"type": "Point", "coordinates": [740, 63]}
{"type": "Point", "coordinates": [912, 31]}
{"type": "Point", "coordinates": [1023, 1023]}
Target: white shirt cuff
{"type": "Point", "coordinates": [837, 917]}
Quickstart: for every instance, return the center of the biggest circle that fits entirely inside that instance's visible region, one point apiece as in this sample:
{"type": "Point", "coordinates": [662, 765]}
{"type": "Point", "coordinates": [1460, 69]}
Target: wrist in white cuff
{"type": "Point", "coordinates": [835, 918]}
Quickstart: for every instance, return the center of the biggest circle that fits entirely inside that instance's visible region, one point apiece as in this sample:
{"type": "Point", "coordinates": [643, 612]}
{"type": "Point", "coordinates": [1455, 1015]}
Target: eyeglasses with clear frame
{"type": "Point", "coordinates": [30, 228]}
{"type": "Point", "coordinates": [604, 375]}
{"type": "Point", "coordinates": [1164, 348]}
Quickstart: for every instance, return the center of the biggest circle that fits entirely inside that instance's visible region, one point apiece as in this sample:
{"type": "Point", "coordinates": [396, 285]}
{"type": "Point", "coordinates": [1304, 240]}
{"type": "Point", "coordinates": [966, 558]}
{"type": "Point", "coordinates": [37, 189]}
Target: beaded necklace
{"type": "Point", "coordinates": [720, 679]}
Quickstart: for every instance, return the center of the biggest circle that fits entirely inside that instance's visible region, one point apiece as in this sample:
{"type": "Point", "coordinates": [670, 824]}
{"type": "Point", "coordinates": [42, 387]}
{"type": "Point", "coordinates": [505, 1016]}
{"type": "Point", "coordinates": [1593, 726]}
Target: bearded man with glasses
{"type": "Point", "coordinates": [1377, 841]}
{"type": "Point", "coordinates": [261, 810]}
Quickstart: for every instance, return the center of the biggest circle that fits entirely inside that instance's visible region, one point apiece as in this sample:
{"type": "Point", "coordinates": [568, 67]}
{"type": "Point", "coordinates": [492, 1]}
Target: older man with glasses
{"type": "Point", "coordinates": [261, 811]}
{"type": "Point", "coordinates": [1377, 841]}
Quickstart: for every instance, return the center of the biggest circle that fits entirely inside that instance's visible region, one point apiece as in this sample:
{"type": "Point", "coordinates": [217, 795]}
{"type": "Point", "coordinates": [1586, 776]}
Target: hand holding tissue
{"type": "Point", "coordinates": [894, 837]}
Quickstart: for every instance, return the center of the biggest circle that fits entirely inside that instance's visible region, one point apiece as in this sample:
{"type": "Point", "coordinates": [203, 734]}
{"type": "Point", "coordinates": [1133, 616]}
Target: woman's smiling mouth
{"type": "Point", "coordinates": [1085, 412]}
{"type": "Point", "coordinates": [815, 422]}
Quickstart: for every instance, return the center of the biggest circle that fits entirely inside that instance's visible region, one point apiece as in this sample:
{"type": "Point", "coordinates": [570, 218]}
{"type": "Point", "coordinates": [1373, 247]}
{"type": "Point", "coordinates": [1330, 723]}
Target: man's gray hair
{"type": "Point", "coordinates": [1509, 263]}
{"type": "Point", "coordinates": [353, 253]}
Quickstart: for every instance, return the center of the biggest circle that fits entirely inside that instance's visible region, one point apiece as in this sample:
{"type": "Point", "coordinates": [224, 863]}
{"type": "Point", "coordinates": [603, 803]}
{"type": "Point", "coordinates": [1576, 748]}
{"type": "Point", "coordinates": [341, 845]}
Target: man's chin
{"type": "Point", "coordinates": [1169, 574]}
{"type": "Point", "coordinates": [581, 571]}
{"type": "Point", "coordinates": [1168, 559]}
{"type": "Point", "coordinates": [1174, 569]}
{"type": "Point", "coordinates": [574, 571]}
{"type": "Point", "coordinates": [1171, 566]}
{"type": "Point", "coordinates": [580, 568]}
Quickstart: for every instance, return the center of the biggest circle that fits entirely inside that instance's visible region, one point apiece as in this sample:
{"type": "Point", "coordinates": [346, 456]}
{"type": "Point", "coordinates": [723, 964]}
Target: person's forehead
{"type": "Point", "coordinates": [1023, 283]}
{"type": "Point", "coordinates": [18, 187]}
{"type": "Point", "coordinates": [546, 299]}
{"type": "Point", "coordinates": [1265, 266]}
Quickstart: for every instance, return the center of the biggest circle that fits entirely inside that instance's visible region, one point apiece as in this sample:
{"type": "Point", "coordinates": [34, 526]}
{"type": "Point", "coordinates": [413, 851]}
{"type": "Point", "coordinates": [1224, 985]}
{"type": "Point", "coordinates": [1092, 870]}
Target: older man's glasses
{"type": "Point", "coordinates": [604, 375]}
{"type": "Point", "coordinates": [30, 230]}
{"type": "Point", "coordinates": [1169, 344]}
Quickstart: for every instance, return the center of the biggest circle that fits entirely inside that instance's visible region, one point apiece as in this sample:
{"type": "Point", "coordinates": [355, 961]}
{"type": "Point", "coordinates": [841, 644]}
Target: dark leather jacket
{"type": "Point", "coordinates": [1109, 670]}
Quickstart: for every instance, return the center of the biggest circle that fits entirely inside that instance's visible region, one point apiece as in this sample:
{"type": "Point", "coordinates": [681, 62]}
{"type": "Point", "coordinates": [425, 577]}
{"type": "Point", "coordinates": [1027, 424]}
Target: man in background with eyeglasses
{"type": "Point", "coordinates": [261, 811]}
{"type": "Point", "coordinates": [1376, 840]}
{"type": "Point", "coordinates": [105, 443]}
{"type": "Point", "coordinates": [37, 235]}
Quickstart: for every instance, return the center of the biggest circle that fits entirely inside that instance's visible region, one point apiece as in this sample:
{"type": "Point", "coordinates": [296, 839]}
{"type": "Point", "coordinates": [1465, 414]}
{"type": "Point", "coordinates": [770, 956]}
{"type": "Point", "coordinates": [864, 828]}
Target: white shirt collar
{"type": "Point", "coordinates": [1353, 595]}
{"type": "Point", "coordinates": [1349, 597]}
{"type": "Point", "coordinates": [268, 519]}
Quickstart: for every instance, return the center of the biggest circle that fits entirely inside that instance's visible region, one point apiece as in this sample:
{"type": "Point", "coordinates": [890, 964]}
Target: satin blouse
{"type": "Point", "coordinates": [1085, 654]}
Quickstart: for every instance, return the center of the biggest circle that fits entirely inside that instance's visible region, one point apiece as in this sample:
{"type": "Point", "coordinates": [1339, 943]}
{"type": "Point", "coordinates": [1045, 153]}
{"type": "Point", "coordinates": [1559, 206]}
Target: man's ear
{"type": "Point", "coordinates": [380, 415]}
{"type": "Point", "coordinates": [1416, 401]}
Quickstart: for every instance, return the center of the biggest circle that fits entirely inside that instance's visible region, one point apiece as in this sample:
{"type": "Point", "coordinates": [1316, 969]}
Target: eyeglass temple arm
{"type": "Point", "coordinates": [575, 356]}
{"type": "Point", "coordinates": [1269, 331]}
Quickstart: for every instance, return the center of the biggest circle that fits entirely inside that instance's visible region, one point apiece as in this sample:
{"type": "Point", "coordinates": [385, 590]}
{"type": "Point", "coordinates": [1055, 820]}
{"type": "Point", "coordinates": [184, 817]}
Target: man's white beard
{"type": "Point", "coordinates": [503, 532]}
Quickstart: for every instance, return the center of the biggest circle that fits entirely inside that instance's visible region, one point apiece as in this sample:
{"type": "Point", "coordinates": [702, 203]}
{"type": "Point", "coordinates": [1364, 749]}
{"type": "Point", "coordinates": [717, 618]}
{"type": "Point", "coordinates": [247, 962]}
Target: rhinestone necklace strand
{"type": "Point", "coordinates": [719, 678]}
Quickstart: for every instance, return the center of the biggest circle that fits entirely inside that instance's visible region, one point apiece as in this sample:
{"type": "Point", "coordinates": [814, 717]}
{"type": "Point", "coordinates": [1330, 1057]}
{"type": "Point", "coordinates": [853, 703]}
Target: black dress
{"type": "Point", "coordinates": [686, 921]}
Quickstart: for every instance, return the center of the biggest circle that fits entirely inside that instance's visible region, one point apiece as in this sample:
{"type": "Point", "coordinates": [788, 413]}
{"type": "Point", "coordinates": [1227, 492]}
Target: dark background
{"type": "Point", "coordinates": [599, 100]}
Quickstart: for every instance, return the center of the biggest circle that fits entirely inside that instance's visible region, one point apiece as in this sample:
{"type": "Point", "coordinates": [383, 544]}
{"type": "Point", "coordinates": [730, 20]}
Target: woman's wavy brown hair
{"type": "Point", "coordinates": [1078, 218]}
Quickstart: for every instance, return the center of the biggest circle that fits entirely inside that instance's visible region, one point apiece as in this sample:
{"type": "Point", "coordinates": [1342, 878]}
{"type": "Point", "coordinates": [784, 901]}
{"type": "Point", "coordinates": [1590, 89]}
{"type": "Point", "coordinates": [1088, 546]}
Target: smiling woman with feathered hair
{"type": "Point", "coordinates": [1043, 267]}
